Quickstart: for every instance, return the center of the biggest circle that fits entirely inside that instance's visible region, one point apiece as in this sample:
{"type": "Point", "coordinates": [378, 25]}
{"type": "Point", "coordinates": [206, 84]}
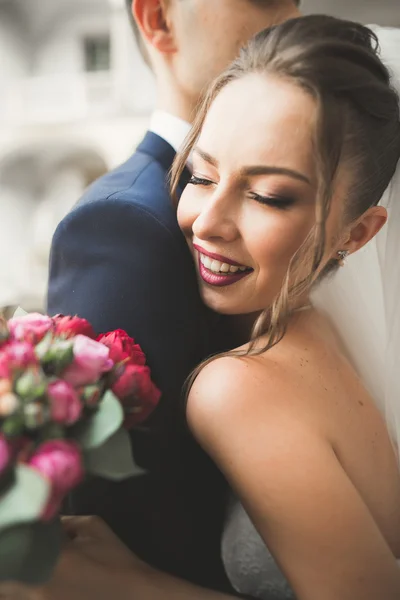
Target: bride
{"type": "Point", "coordinates": [292, 151]}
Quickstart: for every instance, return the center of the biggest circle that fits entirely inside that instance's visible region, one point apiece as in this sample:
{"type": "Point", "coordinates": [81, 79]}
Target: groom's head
{"type": "Point", "coordinates": [188, 42]}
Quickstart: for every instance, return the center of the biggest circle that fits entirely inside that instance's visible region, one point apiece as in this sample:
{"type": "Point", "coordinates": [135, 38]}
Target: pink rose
{"type": "Point", "coordinates": [68, 327]}
{"type": "Point", "coordinates": [16, 356]}
{"type": "Point", "coordinates": [5, 455]}
{"type": "Point", "coordinates": [137, 393]}
{"type": "Point", "coordinates": [60, 462]}
{"type": "Point", "coordinates": [65, 405]}
{"type": "Point", "coordinates": [30, 328]}
{"type": "Point", "coordinates": [122, 347]}
{"type": "Point", "coordinates": [91, 360]}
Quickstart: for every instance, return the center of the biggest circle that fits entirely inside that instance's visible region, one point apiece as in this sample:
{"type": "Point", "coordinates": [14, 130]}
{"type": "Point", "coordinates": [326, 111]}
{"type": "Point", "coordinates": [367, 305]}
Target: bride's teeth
{"type": "Point", "coordinates": [217, 266]}
{"type": "Point", "coordinates": [206, 260]}
{"type": "Point", "coordinates": [225, 268]}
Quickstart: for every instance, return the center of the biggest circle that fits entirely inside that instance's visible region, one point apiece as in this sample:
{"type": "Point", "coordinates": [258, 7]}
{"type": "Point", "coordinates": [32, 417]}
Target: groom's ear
{"type": "Point", "coordinates": [153, 18]}
{"type": "Point", "coordinates": [365, 228]}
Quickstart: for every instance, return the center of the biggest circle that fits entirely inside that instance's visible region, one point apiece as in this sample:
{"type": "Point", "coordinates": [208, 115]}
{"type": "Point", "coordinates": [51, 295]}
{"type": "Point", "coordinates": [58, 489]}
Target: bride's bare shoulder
{"type": "Point", "coordinates": [237, 394]}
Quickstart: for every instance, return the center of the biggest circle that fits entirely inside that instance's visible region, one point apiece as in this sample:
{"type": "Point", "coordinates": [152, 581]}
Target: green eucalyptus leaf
{"type": "Point", "coordinates": [29, 552]}
{"type": "Point", "coordinates": [102, 425]}
{"type": "Point", "coordinates": [113, 460]}
{"type": "Point", "coordinates": [25, 500]}
{"type": "Point", "coordinates": [20, 312]}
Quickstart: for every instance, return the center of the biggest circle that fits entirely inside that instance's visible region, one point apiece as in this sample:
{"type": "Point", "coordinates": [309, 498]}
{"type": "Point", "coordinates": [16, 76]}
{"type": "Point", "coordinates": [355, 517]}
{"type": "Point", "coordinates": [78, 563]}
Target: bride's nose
{"type": "Point", "coordinates": [217, 219]}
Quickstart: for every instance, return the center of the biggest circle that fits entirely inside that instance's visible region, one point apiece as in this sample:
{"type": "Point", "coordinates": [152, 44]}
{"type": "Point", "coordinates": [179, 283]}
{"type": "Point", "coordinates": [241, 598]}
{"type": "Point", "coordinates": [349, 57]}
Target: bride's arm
{"type": "Point", "coordinates": [96, 565]}
{"type": "Point", "coordinates": [292, 484]}
{"type": "Point", "coordinates": [81, 577]}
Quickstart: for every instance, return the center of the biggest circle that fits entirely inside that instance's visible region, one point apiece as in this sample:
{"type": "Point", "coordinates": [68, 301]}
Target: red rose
{"type": "Point", "coordinates": [137, 392]}
{"type": "Point", "coordinates": [122, 347]}
{"type": "Point", "coordinates": [68, 327]}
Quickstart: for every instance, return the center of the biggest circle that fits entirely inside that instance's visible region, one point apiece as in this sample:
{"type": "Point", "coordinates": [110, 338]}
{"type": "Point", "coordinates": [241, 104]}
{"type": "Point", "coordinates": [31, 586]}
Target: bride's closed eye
{"type": "Point", "coordinates": [276, 201]}
{"type": "Point", "coordinates": [281, 202]}
{"type": "Point", "coordinates": [194, 180]}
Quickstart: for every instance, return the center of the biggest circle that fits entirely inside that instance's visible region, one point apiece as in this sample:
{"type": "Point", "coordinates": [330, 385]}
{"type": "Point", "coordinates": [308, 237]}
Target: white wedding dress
{"type": "Point", "coordinates": [363, 300]}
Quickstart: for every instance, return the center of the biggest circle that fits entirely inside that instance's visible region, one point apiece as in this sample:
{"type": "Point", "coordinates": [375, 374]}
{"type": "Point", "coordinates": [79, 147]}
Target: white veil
{"type": "Point", "coordinates": [363, 299]}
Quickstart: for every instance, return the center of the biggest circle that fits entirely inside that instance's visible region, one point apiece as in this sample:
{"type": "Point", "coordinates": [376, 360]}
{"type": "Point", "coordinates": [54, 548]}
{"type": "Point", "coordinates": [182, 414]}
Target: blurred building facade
{"type": "Point", "coordinates": [74, 100]}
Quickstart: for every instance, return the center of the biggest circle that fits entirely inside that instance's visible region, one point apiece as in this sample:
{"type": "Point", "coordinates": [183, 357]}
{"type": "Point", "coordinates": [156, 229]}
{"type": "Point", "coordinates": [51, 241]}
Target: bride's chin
{"type": "Point", "coordinates": [220, 305]}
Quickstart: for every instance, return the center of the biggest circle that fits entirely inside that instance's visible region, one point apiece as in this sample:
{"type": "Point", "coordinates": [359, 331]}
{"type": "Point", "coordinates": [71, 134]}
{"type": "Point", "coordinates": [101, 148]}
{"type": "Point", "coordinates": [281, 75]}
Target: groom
{"type": "Point", "coordinates": [119, 260]}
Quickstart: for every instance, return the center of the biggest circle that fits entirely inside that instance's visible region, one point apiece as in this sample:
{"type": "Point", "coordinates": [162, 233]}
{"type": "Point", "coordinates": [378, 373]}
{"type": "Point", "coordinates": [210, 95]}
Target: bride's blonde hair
{"type": "Point", "coordinates": [337, 62]}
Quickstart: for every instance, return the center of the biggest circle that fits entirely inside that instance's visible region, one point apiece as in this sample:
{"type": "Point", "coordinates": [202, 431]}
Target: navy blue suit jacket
{"type": "Point", "coordinates": [119, 260]}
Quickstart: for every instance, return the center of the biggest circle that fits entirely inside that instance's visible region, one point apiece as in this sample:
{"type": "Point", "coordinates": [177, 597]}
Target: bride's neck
{"type": "Point", "coordinates": [242, 326]}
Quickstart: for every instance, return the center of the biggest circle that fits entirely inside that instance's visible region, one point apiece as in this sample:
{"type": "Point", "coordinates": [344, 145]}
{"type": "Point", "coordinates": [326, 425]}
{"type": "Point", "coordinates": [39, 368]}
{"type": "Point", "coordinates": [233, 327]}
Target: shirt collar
{"type": "Point", "coordinates": [172, 129]}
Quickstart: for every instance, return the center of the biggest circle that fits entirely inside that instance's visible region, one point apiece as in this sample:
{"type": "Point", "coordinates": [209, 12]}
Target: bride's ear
{"type": "Point", "coordinates": [365, 228]}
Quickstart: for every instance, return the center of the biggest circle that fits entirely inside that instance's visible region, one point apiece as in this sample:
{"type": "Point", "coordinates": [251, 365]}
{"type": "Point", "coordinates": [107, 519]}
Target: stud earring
{"type": "Point", "coordinates": [342, 254]}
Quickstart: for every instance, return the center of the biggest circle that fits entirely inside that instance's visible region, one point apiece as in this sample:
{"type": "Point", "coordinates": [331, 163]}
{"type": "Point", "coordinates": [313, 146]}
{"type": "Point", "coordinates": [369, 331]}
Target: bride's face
{"type": "Point", "coordinates": [251, 201]}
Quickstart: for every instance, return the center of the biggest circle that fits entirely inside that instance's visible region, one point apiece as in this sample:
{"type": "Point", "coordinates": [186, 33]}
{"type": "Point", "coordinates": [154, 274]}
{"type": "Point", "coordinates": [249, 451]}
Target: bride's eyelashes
{"type": "Point", "coordinates": [200, 181]}
{"type": "Point", "coordinates": [281, 202]}
{"type": "Point", "coordinates": [276, 201]}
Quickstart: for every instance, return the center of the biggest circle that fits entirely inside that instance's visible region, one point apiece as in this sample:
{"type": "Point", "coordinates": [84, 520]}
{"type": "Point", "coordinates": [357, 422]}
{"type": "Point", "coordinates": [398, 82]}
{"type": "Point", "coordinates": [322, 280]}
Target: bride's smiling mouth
{"type": "Point", "coordinates": [218, 270]}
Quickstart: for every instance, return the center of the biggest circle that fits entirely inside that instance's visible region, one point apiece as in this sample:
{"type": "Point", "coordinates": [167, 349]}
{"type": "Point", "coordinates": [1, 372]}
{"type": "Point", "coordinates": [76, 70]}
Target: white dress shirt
{"type": "Point", "coordinates": [172, 129]}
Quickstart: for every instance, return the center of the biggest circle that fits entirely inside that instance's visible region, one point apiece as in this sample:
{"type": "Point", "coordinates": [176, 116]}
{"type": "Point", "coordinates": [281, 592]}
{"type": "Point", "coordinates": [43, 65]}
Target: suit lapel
{"type": "Point", "coordinates": [156, 147]}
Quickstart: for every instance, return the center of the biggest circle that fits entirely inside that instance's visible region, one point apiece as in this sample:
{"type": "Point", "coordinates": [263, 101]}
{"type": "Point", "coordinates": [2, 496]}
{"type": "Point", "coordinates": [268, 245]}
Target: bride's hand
{"type": "Point", "coordinates": [91, 537]}
{"type": "Point", "coordinates": [94, 565]}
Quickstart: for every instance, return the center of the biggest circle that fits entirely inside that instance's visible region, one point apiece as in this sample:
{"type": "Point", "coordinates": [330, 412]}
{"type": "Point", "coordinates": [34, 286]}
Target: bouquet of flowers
{"type": "Point", "coordinates": [67, 399]}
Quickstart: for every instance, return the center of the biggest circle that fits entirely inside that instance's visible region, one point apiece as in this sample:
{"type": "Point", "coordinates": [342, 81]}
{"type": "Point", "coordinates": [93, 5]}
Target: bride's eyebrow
{"type": "Point", "coordinates": [271, 170]}
{"type": "Point", "coordinates": [205, 156]}
{"type": "Point", "coordinates": [256, 169]}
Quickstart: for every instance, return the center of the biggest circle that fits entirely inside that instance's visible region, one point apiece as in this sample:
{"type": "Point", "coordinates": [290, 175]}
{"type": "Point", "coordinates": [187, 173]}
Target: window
{"type": "Point", "coordinates": [97, 53]}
